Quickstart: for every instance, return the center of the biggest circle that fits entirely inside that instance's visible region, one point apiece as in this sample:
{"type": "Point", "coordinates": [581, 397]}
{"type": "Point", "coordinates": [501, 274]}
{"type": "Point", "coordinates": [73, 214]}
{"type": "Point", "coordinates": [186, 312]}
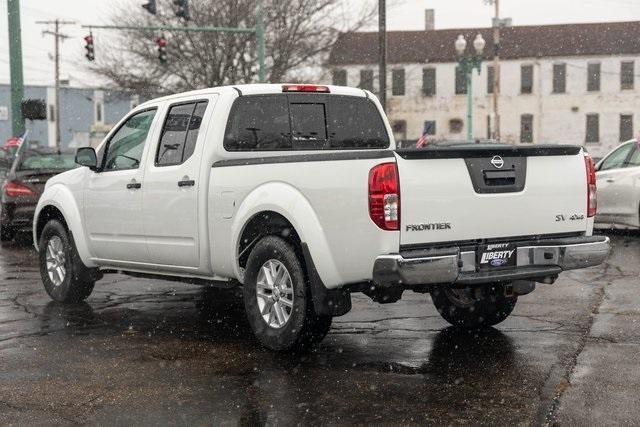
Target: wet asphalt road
{"type": "Point", "coordinates": [148, 352]}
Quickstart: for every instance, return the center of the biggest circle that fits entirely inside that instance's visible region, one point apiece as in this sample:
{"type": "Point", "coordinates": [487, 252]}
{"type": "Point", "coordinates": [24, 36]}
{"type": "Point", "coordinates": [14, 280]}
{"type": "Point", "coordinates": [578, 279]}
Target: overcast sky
{"type": "Point", "coordinates": [404, 15]}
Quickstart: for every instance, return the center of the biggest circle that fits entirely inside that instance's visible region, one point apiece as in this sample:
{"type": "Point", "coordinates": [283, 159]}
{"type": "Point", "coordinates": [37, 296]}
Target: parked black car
{"type": "Point", "coordinates": [24, 184]}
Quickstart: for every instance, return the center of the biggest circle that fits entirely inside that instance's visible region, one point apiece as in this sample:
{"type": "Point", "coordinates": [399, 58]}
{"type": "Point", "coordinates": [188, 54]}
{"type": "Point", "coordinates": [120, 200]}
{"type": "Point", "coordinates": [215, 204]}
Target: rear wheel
{"type": "Point", "coordinates": [474, 307]}
{"type": "Point", "coordinates": [66, 279]}
{"type": "Point", "coordinates": [277, 299]}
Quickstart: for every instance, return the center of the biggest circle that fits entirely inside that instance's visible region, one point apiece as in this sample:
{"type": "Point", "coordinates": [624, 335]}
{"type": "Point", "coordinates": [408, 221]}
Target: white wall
{"type": "Point", "coordinates": [557, 118]}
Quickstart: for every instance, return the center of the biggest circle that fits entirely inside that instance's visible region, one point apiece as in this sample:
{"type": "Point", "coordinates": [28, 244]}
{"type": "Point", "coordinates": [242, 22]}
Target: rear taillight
{"type": "Point", "coordinates": [305, 88]}
{"type": "Point", "coordinates": [14, 189]}
{"type": "Point", "coordinates": [592, 199]}
{"type": "Point", "coordinates": [384, 196]}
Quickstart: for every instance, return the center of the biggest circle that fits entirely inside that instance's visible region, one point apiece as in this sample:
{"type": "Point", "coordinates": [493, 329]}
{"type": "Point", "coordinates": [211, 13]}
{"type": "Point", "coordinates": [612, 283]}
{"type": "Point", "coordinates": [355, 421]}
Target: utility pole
{"type": "Point", "coordinates": [382, 52]}
{"type": "Point", "coordinates": [260, 39]}
{"type": "Point", "coordinates": [57, 36]}
{"type": "Point", "coordinates": [15, 67]}
{"type": "Point", "coordinates": [496, 70]}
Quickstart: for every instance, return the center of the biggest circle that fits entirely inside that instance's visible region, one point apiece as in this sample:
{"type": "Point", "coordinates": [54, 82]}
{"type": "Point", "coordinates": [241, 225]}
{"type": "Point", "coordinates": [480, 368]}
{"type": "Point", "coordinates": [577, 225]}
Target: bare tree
{"type": "Point", "coordinates": [299, 34]}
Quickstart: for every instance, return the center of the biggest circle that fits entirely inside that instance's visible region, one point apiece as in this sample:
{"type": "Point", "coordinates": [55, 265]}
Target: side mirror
{"type": "Point", "coordinates": [598, 166]}
{"type": "Point", "coordinates": [86, 156]}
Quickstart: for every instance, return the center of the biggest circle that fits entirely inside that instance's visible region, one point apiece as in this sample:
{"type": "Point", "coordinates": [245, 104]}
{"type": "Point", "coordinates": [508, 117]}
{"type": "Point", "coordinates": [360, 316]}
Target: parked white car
{"type": "Point", "coordinates": [296, 192]}
{"type": "Point", "coordinates": [618, 181]}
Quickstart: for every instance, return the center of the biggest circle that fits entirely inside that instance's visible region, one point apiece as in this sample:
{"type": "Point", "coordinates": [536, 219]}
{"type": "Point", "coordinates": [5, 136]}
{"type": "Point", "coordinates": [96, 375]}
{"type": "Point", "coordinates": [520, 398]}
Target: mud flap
{"type": "Point", "coordinates": [326, 302]}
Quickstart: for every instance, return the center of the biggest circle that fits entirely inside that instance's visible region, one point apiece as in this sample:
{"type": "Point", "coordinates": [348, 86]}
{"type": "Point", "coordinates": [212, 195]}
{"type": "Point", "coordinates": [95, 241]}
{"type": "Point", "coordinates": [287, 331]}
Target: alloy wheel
{"type": "Point", "coordinates": [55, 259]}
{"type": "Point", "coordinates": [274, 293]}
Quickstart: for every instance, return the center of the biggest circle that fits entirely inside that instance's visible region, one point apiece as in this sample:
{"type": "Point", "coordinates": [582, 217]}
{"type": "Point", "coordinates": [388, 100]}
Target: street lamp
{"type": "Point", "coordinates": [467, 62]}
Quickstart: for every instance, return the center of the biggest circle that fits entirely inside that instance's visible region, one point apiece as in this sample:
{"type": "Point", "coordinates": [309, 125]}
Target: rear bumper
{"type": "Point", "coordinates": [17, 216]}
{"type": "Point", "coordinates": [536, 260]}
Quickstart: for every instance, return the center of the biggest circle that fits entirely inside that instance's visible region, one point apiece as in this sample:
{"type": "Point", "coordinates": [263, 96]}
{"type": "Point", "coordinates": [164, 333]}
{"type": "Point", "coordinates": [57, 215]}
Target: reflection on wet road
{"type": "Point", "coordinates": [158, 352]}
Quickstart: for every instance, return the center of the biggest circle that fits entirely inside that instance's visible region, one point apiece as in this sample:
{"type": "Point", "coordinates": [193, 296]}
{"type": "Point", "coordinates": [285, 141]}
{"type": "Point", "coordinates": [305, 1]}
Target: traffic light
{"type": "Point", "coordinates": [150, 6]}
{"type": "Point", "coordinates": [90, 53]}
{"type": "Point", "coordinates": [183, 9]}
{"type": "Point", "coordinates": [161, 42]}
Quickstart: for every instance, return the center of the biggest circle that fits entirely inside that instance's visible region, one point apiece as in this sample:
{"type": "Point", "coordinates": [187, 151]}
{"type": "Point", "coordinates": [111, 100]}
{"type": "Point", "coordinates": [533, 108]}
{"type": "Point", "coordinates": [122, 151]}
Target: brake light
{"type": "Point", "coordinates": [14, 189]}
{"type": "Point", "coordinates": [592, 198]}
{"type": "Point", "coordinates": [305, 88]}
{"type": "Point", "coordinates": [384, 196]}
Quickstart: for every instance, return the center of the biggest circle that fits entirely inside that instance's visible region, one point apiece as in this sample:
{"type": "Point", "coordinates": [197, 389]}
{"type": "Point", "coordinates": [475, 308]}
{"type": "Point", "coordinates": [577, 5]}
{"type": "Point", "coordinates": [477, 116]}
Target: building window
{"type": "Point", "coordinates": [455, 125]}
{"type": "Point", "coordinates": [626, 127]}
{"type": "Point", "coordinates": [429, 81]}
{"type": "Point", "coordinates": [339, 77]}
{"type": "Point", "coordinates": [99, 118]}
{"type": "Point", "coordinates": [397, 82]}
{"type": "Point", "coordinates": [526, 79]}
{"type": "Point", "coordinates": [490, 77]}
{"type": "Point", "coordinates": [593, 128]}
{"type": "Point", "coordinates": [489, 126]}
{"type": "Point", "coordinates": [366, 80]}
{"type": "Point", "coordinates": [626, 75]}
{"type": "Point", "coordinates": [559, 78]}
{"type": "Point", "coordinates": [429, 127]}
{"type": "Point", "coordinates": [461, 81]}
{"type": "Point", "coordinates": [399, 128]}
{"type": "Point", "coordinates": [593, 77]}
{"type": "Point", "coordinates": [526, 128]}
{"type": "Point", "coordinates": [52, 113]}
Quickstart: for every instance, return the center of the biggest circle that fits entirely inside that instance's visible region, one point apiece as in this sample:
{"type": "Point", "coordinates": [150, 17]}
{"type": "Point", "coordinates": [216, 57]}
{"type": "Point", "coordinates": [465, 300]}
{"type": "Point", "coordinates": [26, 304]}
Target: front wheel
{"type": "Point", "coordinates": [473, 307]}
{"type": "Point", "coordinates": [277, 299]}
{"type": "Point", "coordinates": [66, 279]}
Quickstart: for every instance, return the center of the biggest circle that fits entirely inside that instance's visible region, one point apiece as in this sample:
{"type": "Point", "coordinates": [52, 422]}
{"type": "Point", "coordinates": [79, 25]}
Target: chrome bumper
{"type": "Point", "coordinates": [540, 259]}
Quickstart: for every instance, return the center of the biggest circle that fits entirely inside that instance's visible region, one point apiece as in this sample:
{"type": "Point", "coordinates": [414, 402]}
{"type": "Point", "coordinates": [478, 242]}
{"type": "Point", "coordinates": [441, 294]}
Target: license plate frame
{"type": "Point", "coordinates": [494, 256]}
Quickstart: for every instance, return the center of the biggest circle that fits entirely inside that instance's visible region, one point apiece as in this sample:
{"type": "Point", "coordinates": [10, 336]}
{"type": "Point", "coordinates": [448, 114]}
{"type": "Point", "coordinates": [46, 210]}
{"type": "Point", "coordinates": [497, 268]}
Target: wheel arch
{"type": "Point", "coordinates": [280, 209]}
{"type": "Point", "coordinates": [289, 204]}
{"type": "Point", "coordinates": [58, 203]}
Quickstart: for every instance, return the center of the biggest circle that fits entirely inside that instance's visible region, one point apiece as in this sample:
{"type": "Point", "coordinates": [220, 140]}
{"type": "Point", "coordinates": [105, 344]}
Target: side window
{"type": "Point", "coordinates": [179, 133]}
{"type": "Point", "coordinates": [355, 123]}
{"type": "Point", "coordinates": [634, 160]}
{"type": "Point", "coordinates": [616, 159]}
{"type": "Point", "coordinates": [124, 149]}
{"type": "Point", "coordinates": [258, 123]}
{"type": "Point", "coordinates": [308, 125]}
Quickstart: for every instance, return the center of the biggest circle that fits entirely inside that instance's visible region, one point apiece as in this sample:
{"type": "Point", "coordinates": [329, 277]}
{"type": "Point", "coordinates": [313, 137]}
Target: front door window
{"type": "Point", "coordinates": [124, 149]}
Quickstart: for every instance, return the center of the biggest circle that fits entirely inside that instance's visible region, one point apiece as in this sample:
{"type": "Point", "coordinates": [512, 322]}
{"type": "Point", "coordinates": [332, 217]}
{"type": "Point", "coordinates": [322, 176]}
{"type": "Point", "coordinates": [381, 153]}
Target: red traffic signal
{"type": "Point", "coordinates": [90, 52]}
{"type": "Point", "coordinates": [161, 42]}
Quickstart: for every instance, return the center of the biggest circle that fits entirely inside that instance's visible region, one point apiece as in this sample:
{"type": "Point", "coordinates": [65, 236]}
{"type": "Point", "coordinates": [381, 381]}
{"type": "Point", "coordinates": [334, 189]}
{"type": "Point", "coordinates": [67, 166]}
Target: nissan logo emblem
{"type": "Point", "coordinates": [497, 162]}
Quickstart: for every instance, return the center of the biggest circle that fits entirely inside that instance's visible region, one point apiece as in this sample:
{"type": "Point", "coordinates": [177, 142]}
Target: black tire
{"type": "Point", "coordinates": [78, 280]}
{"type": "Point", "coordinates": [7, 234]}
{"type": "Point", "coordinates": [304, 326]}
{"type": "Point", "coordinates": [481, 307]}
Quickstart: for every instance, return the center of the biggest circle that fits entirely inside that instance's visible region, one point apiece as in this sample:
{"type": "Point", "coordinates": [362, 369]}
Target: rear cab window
{"type": "Point", "coordinates": [180, 133]}
{"type": "Point", "coordinates": [285, 122]}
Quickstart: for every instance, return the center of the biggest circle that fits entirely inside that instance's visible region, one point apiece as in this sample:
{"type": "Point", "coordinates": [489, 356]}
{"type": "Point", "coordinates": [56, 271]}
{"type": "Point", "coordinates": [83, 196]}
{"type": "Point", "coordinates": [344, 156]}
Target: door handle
{"type": "Point", "coordinates": [611, 180]}
{"type": "Point", "coordinates": [186, 183]}
{"type": "Point", "coordinates": [134, 185]}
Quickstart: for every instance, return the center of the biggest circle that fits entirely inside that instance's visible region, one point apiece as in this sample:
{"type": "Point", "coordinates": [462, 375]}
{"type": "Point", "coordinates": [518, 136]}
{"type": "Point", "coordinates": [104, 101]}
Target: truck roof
{"type": "Point", "coordinates": [254, 89]}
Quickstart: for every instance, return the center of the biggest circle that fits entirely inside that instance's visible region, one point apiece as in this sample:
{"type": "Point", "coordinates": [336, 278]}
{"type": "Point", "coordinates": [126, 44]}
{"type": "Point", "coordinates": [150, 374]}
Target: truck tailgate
{"type": "Point", "coordinates": [469, 193]}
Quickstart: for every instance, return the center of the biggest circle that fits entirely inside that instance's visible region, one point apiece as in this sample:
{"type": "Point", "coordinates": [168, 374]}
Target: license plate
{"type": "Point", "coordinates": [496, 255]}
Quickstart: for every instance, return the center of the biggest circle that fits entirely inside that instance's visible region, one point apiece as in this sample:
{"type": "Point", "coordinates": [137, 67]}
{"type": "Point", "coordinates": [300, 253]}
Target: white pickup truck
{"type": "Point", "coordinates": [297, 194]}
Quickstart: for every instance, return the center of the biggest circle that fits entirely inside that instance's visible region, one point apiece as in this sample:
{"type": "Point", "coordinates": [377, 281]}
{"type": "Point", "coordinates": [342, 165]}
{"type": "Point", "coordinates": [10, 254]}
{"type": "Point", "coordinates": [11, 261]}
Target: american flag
{"type": "Point", "coordinates": [21, 141]}
{"type": "Point", "coordinates": [422, 142]}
